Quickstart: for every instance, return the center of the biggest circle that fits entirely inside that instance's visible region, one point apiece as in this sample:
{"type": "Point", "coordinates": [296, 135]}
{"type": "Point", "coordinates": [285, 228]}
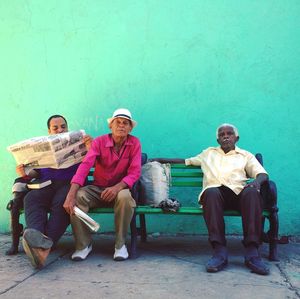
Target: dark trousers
{"type": "Point", "coordinates": [248, 202]}
{"type": "Point", "coordinates": [50, 199]}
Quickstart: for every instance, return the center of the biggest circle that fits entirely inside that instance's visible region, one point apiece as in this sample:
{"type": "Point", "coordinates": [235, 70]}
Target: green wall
{"type": "Point", "coordinates": [181, 67]}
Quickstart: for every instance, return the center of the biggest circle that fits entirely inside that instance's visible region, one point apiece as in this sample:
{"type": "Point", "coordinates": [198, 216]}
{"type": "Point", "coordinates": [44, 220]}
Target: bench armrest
{"type": "Point", "coordinates": [268, 191]}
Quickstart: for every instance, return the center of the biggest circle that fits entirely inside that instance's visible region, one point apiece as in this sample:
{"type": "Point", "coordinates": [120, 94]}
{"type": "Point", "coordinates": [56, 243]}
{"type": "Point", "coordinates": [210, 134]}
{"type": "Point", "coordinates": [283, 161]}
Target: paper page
{"type": "Point", "coordinates": [53, 151]}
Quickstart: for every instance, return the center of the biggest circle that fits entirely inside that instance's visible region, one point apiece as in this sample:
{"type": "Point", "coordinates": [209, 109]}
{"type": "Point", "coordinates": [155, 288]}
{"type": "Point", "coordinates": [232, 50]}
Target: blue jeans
{"type": "Point", "coordinates": [50, 199]}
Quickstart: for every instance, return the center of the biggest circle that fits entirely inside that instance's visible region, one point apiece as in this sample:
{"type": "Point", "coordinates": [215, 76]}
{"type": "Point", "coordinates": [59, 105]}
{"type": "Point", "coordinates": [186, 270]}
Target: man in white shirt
{"type": "Point", "coordinates": [226, 171]}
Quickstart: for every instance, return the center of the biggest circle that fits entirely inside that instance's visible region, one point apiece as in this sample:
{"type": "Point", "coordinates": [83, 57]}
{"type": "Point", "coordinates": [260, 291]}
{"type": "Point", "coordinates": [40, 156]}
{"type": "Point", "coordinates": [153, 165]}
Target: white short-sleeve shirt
{"type": "Point", "coordinates": [232, 169]}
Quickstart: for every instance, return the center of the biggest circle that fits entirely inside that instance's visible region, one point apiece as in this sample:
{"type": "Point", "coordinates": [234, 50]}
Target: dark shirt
{"type": "Point", "coordinates": [57, 174]}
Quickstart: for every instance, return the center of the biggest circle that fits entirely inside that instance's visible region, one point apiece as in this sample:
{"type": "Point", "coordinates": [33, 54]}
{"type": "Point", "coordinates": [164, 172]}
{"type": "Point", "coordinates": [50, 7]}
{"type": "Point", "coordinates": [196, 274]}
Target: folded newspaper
{"type": "Point", "coordinates": [54, 151]}
{"type": "Point", "coordinates": [90, 222]}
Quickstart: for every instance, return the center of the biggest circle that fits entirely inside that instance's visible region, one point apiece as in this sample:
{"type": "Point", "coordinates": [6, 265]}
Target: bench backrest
{"type": "Point", "coordinates": [186, 176]}
{"type": "Point", "coordinates": [181, 175]}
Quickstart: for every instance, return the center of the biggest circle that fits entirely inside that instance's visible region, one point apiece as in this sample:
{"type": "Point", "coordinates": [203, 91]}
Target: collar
{"type": "Point", "coordinates": [110, 142]}
{"type": "Point", "coordinates": [236, 150]}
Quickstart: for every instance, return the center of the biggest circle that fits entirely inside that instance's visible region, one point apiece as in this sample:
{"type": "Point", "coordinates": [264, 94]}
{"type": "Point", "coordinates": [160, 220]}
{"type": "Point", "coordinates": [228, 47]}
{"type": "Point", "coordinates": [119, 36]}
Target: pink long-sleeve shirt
{"type": "Point", "coordinates": [111, 167]}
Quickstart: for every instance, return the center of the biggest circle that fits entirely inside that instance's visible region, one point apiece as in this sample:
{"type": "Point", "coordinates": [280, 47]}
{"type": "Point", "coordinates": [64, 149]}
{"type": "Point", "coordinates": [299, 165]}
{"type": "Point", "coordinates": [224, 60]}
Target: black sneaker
{"type": "Point", "coordinates": [256, 265]}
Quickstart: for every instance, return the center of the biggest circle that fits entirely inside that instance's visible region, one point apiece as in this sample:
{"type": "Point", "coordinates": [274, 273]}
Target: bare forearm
{"type": "Point", "coordinates": [71, 199]}
{"type": "Point", "coordinates": [74, 188]}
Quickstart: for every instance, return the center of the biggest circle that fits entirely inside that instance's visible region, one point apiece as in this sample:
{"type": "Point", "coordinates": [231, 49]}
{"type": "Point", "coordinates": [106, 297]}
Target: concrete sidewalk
{"type": "Point", "coordinates": [169, 267]}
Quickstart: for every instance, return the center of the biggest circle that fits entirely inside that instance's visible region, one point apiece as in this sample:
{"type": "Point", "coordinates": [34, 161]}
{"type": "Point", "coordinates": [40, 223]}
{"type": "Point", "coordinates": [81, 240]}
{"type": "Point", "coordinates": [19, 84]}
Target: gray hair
{"type": "Point", "coordinates": [236, 133]}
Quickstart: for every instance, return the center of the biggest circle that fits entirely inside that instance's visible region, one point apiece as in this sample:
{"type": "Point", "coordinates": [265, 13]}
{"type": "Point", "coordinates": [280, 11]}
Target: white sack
{"type": "Point", "coordinates": [155, 181]}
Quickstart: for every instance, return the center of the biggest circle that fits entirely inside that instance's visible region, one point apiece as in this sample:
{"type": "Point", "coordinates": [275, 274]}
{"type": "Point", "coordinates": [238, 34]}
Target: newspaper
{"type": "Point", "coordinates": [54, 151]}
{"type": "Point", "coordinates": [90, 222]}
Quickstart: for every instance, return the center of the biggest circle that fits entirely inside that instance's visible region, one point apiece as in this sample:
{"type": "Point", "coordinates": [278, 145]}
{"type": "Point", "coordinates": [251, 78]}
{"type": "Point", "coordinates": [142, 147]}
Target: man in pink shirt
{"type": "Point", "coordinates": [117, 161]}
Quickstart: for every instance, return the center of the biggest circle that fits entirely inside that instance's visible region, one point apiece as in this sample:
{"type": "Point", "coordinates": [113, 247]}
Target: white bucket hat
{"type": "Point", "coordinates": [123, 113]}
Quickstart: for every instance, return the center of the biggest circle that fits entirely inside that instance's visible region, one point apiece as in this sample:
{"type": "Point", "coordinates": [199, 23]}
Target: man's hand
{"type": "Point", "coordinates": [254, 184]}
{"type": "Point", "coordinates": [70, 201]}
{"type": "Point", "coordinates": [260, 178]}
{"type": "Point", "coordinates": [110, 193]}
{"type": "Point", "coordinates": [87, 139]}
{"type": "Point", "coordinates": [20, 170]}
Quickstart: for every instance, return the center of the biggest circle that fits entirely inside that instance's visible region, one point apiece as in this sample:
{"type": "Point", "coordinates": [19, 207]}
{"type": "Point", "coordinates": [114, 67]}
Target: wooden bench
{"type": "Point", "coordinates": [191, 177]}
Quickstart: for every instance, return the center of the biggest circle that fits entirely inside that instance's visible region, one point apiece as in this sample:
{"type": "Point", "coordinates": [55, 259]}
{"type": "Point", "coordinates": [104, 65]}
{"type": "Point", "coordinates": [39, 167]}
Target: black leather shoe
{"type": "Point", "coordinates": [256, 265]}
{"type": "Point", "coordinates": [216, 264]}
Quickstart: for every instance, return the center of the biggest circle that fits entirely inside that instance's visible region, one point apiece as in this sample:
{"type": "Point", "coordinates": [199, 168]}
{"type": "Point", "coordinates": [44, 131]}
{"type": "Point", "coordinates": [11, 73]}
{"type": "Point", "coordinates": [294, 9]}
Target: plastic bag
{"type": "Point", "coordinates": [155, 181]}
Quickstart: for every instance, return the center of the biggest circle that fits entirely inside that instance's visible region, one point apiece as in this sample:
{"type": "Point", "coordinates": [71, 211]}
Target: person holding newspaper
{"type": "Point", "coordinates": [43, 232]}
{"type": "Point", "coordinates": [117, 161]}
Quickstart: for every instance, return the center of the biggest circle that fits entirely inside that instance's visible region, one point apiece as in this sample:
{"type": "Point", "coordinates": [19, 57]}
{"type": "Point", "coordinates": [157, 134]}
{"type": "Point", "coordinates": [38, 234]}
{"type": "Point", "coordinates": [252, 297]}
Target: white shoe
{"type": "Point", "coordinates": [80, 255]}
{"type": "Point", "coordinates": [121, 254]}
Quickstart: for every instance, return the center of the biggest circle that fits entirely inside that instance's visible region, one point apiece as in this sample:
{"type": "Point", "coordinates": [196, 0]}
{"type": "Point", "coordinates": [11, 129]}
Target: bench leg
{"type": "Point", "coordinates": [269, 194]}
{"type": "Point", "coordinates": [264, 236]}
{"type": "Point", "coordinates": [143, 228]}
{"type": "Point", "coordinates": [274, 222]}
{"type": "Point", "coordinates": [16, 228]}
{"type": "Point", "coordinates": [133, 244]}
{"type": "Point", "coordinates": [273, 236]}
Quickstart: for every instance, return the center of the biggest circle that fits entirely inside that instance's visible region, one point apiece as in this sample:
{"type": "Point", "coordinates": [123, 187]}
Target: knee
{"type": "Point", "coordinates": [124, 198]}
{"type": "Point", "coordinates": [211, 195]}
{"type": "Point", "coordinates": [211, 198]}
{"type": "Point", "coordinates": [29, 198]}
{"type": "Point", "coordinates": [80, 196]}
{"type": "Point", "coordinates": [250, 195]}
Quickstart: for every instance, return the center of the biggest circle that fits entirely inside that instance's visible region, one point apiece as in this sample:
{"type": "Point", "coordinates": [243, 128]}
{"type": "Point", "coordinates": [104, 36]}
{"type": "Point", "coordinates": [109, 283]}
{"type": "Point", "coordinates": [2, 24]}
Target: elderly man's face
{"type": "Point", "coordinates": [227, 138]}
{"type": "Point", "coordinates": [120, 127]}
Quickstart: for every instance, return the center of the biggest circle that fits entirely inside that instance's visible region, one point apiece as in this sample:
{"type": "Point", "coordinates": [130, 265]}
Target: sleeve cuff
{"type": "Point", "coordinates": [188, 162]}
{"type": "Point", "coordinates": [129, 184]}
{"type": "Point", "coordinates": [75, 181]}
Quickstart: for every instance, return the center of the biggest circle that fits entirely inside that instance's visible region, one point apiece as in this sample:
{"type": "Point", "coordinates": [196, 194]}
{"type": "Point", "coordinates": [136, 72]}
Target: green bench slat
{"type": "Point", "coordinates": [184, 211]}
{"type": "Point", "coordinates": [101, 210]}
{"type": "Point", "coordinates": [187, 184]}
{"type": "Point", "coordinates": [187, 174]}
{"type": "Point", "coordinates": [183, 166]}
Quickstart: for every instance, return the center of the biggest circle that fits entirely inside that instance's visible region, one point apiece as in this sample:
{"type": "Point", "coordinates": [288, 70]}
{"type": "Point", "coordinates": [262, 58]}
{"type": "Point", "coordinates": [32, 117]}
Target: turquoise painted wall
{"type": "Point", "coordinates": [181, 67]}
